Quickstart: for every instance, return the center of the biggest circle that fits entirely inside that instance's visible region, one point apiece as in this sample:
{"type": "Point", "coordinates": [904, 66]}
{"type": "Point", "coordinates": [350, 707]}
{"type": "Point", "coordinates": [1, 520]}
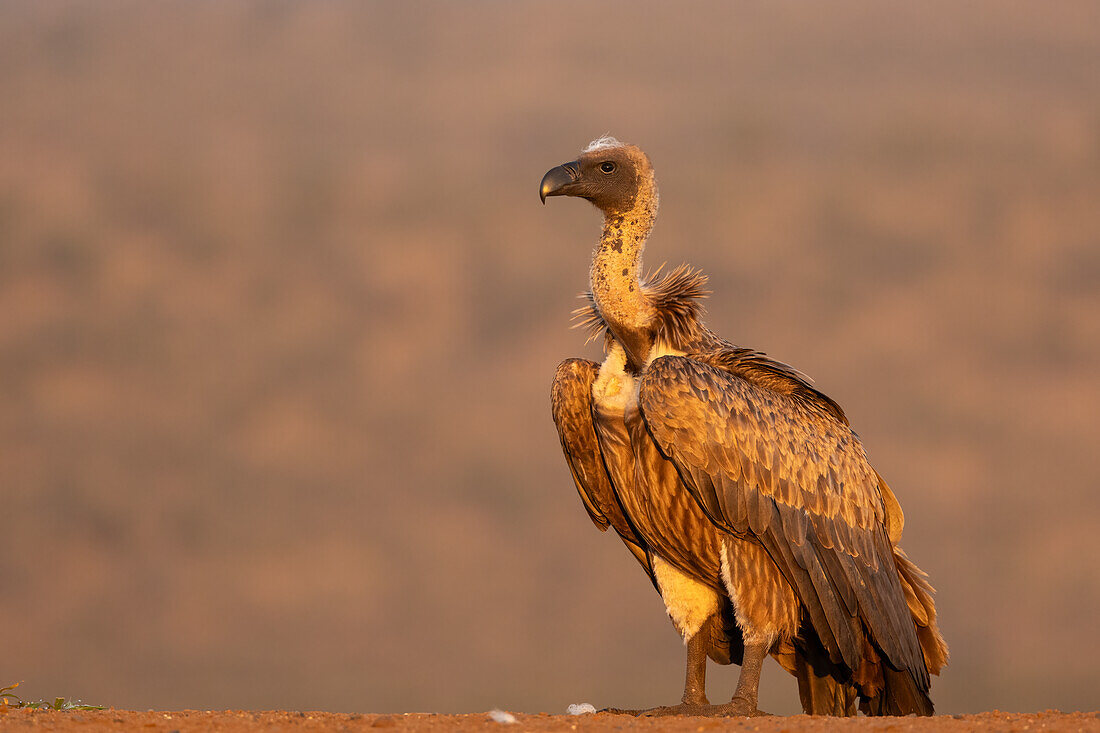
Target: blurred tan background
{"type": "Point", "coordinates": [279, 311]}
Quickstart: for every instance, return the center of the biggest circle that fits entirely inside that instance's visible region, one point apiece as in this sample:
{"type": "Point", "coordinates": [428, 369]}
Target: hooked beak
{"type": "Point", "coordinates": [556, 179]}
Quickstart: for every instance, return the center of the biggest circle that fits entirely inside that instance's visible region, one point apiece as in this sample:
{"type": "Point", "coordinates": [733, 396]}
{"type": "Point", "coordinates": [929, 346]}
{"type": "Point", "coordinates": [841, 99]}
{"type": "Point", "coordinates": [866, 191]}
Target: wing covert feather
{"type": "Point", "coordinates": [792, 474]}
{"type": "Point", "coordinates": [674, 526]}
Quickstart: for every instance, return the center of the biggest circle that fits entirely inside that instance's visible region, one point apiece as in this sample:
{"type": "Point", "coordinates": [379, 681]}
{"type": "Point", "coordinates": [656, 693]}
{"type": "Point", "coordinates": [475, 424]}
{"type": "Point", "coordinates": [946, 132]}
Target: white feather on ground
{"type": "Point", "coordinates": [500, 716]}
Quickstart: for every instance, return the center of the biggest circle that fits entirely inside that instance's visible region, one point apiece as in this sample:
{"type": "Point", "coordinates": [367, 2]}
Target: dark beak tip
{"type": "Point", "coordinates": [555, 180]}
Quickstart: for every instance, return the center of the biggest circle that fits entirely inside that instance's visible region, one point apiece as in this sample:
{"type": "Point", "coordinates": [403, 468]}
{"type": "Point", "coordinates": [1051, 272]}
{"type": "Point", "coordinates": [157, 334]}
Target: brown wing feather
{"type": "Point", "coordinates": [571, 404]}
{"type": "Point", "coordinates": [788, 472]}
{"type": "Point", "coordinates": [758, 368]}
{"type": "Point", "coordinates": [593, 462]}
{"type": "Point", "coordinates": [918, 594]}
{"type": "Point", "coordinates": [670, 519]}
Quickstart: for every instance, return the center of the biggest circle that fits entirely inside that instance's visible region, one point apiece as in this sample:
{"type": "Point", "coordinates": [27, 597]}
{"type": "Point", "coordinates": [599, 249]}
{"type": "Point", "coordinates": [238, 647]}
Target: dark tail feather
{"type": "Point", "coordinates": [823, 695]}
{"type": "Point", "coordinates": [900, 695]}
{"type": "Point", "coordinates": [824, 687]}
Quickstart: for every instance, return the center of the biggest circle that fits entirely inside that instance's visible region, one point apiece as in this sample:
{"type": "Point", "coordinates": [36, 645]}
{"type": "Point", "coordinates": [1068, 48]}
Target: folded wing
{"type": "Point", "coordinates": [571, 404]}
{"type": "Point", "coordinates": [785, 469]}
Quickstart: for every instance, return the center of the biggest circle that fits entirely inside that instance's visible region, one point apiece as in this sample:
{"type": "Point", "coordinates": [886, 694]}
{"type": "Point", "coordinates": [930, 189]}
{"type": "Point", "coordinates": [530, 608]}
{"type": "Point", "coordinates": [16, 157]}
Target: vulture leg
{"type": "Point", "coordinates": [745, 696]}
{"type": "Point", "coordinates": [695, 682]}
{"type": "Point", "coordinates": [748, 684]}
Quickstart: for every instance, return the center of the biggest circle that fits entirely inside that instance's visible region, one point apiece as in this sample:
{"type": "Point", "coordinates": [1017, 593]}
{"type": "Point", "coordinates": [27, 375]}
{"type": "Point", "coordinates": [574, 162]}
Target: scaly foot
{"type": "Point", "coordinates": [684, 708]}
{"type": "Point", "coordinates": [734, 708]}
{"type": "Point", "coordinates": [663, 710]}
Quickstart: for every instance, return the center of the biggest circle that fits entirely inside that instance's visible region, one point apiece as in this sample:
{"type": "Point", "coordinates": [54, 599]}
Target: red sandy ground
{"type": "Point", "coordinates": [230, 721]}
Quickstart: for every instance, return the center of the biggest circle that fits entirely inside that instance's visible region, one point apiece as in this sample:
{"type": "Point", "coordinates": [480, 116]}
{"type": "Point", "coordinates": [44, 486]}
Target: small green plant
{"type": "Point", "coordinates": [9, 699]}
{"type": "Point", "coordinates": [6, 696]}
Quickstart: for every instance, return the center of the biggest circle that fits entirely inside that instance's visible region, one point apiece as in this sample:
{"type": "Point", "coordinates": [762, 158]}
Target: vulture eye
{"type": "Point", "coordinates": [607, 167]}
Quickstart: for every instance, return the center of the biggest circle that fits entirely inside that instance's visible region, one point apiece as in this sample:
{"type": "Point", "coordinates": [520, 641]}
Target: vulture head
{"type": "Point", "coordinates": [610, 174]}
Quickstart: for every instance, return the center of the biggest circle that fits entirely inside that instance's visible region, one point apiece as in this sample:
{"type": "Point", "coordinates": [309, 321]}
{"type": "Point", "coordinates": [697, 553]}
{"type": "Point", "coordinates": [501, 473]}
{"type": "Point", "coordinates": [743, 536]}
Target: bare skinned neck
{"type": "Point", "coordinates": [616, 273]}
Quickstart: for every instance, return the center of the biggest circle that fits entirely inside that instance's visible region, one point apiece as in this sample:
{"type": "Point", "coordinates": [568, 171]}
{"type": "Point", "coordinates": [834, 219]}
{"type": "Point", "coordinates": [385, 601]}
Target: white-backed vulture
{"type": "Point", "coordinates": [736, 484]}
